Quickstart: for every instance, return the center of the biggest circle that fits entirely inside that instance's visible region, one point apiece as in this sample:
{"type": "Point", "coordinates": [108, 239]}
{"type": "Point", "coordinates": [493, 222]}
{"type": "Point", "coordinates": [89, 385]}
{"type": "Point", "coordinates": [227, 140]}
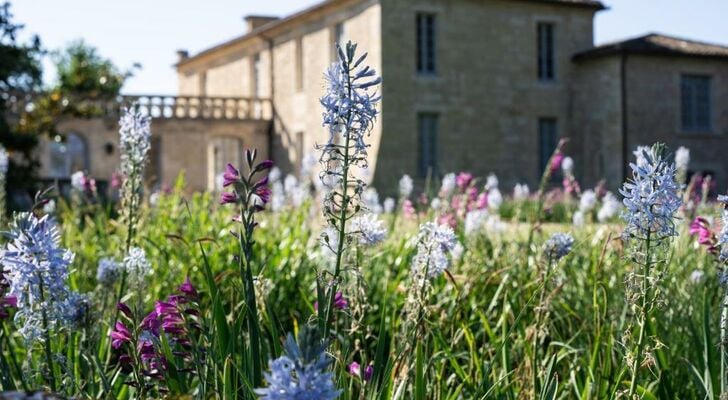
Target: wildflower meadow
{"type": "Point", "coordinates": [313, 287]}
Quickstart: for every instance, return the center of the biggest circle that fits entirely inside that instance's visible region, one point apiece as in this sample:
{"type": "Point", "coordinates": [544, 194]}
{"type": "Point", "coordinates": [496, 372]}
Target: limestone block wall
{"type": "Point", "coordinates": [596, 139]}
{"type": "Point", "coordinates": [486, 89]}
{"type": "Point", "coordinates": [654, 110]}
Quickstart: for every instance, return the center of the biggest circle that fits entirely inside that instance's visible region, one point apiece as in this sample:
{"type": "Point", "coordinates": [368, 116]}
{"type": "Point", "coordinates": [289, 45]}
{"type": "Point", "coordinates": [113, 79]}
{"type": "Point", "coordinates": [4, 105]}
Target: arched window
{"type": "Point", "coordinates": [67, 157]}
{"type": "Point", "coordinates": [220, 151]}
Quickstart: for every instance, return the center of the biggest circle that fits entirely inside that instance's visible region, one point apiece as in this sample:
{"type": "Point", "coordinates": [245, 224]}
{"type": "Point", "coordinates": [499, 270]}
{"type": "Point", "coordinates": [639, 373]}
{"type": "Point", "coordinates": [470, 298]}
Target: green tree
{"type": "Point", "coordinates": [20, 72]}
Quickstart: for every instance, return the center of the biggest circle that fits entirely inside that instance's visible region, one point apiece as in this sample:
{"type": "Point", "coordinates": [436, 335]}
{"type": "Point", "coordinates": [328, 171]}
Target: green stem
{"type": "Point", "coordinates": [245, 238]}
{"type": "Point", "coordinates": [642, 320]}
{"type": "Point", "coordinates": [47, 344]}
{"type": "Point", "coordinates": [723, 350]}
{"type": "Point", "coordinates": [536, 341]}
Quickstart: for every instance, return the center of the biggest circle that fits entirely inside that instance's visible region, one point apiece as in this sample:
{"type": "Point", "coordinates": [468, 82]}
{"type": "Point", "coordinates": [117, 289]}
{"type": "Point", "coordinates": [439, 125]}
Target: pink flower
{"type": "Point", "coordinates": [408, 209]}
{"type": "Point", "coordinates": [556, 162]}
{"type": "Point", "coordinates": [116, 180]}
{"type": "Point", "coordinates": [355, 370]}
{"type": "Point", "coordinates": [701, 228]}
{"type": "Point", "coordinates": [482, 201]}
{"type": "Point", "coordinates": [448, 219]}
{"type": "Point", "coordinates": [463, 180]}
{"type": "Point", "coordinates": [571, 185]}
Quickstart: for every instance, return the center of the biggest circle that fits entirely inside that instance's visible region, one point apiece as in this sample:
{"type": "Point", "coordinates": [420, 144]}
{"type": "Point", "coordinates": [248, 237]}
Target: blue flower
{"type": "Point", "coordinates": [108, 272]}
{"type": "Point", "coordinates": [36, 269]}
{"type": "Point", "coordinates": [300, 374]}
{"type": "Point", "coordinates": [558, 246]}
{"type": "Point", "coordinates": [651, 197]}
{"type": "Point", "coordinates": [434, 244]}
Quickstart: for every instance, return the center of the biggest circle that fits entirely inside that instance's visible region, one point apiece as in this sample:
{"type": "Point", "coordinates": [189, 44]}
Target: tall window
{"type": "Point", "coordinates": [547, 141]}
{"type": "Point", "coordinates": [426, 43]}
{"type": "Point", "coordinates": [299, 64]}
{"type": "Point", "coordinates": [67, 157]}
{"type": "Point", "coordinates": [337, 36]}
{"type": "Point", "coordinates": [695, 102]}
{"type": "Point", "coordinates": [427, 144]}
{"type": "Point", "coordinates": [220, 151]}
{"type": "Point", "coordinates": [257, 69]}
{"type": "Point", "coordinates": [545, 36]}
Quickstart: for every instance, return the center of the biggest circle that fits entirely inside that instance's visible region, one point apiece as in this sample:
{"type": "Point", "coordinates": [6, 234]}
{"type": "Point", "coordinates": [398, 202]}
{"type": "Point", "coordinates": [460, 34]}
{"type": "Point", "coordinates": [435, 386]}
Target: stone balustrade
{"type": "Point", "coordinates": [165, 107]}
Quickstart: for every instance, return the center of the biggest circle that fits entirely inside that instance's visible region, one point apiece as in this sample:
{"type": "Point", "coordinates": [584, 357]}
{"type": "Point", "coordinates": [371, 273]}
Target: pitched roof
{"type": "Point", "coordinates": [331, 4]}
{"type": "Point", "coordinates": [656, 44]}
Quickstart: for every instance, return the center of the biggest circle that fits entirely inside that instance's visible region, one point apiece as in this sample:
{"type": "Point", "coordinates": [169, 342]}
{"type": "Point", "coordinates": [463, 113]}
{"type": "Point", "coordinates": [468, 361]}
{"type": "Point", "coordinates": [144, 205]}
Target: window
{"type": "Point", "coordinates": [426, 43]}
{"type": "Point", "coordinates": [220, 151]}
{"type": "Point", "coordinates": [67, 157]}
{"type": "Point", "coordinates": [427, 144]}
{"type": "Point", "coordinates": [299, 64]}
{"type": "Point", "coordinates": [547, 141]}
{"type": "Point", "coordinates": [338, 39]}
{"type": "Point", "coordinates": [545, 51]}
{"type": "Point", "coordinates": [695, 102]}
{"type": "Point", "coordinates": [153, 172]}
{"type": "Point", "coordinates": [257, 69]}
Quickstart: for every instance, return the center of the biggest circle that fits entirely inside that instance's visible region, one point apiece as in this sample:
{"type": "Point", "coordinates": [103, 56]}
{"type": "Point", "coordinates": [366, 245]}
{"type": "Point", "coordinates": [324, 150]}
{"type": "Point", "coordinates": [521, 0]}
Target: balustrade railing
{"type": "Point", "coordinates": [165, 107]}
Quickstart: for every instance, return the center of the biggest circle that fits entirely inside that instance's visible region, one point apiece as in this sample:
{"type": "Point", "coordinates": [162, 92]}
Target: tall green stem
{"type": "Point", "coordinates": [723, 343]}
{"type": "Point", "coordinates": [536, 341]}
{"type": "Point", "coordinates": [245, 233]}
{"type": "Point", "coordinates": [643, 318]}
{"type": "Point", "coordinates": [47, 344]}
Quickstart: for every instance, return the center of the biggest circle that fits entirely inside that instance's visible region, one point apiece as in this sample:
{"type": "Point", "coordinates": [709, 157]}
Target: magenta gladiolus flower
{"type": "Point", "coordinates": [120, 335]}
{"type": "Point", "coordinates": [125, 310]}
{"type": "Point", "coordinates": [230, 176]}
{"type": "Point", "coordinates": [556, 162]}
{"type": "Point", "coordinates": [340, 302]}
{"type": "Point", "coordinates": [188, 289]}
{"type": "Point", "coordinates": [701, 228]}
{"type": "Point", "coordinates": [355, 370]}
{"type": "Point", "coordinates": [228, 197]}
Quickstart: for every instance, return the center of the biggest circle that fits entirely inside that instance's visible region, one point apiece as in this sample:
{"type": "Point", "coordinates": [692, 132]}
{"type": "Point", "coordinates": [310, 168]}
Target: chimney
{"type": "Point", "coordinates": [182, 55]}
{"type": "Point", "coordinates": [256, 21]}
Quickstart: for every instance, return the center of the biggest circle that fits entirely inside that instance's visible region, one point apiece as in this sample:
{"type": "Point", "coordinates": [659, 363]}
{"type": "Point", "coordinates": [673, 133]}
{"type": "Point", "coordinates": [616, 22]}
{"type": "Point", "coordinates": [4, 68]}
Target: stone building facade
{"type": "Point", "coordinates": [478, 85]}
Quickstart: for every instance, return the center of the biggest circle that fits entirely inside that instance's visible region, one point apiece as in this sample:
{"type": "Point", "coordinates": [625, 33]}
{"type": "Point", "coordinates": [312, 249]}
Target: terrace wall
{"type": "Point", "coordinates": [178, 145]}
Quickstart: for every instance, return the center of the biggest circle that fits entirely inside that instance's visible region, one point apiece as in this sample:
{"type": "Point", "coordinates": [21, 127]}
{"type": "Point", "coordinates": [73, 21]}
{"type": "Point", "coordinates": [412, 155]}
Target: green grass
{"type": "Point", "coordinates": [476, 338]}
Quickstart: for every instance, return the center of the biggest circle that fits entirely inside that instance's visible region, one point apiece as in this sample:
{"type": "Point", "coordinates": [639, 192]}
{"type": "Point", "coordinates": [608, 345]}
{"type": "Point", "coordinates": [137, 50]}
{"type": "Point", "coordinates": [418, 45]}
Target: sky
{"type": "Point", "coordinates": [149, 32]}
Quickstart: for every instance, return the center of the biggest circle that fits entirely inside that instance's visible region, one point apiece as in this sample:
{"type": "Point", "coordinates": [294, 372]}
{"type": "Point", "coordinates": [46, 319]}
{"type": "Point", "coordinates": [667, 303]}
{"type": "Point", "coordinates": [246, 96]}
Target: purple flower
{"type": "Point", "coordinates": [125, 310]}
{"type": "Point", "coordinates": [267, 164]}
{"type": "Point", "coordinates": [355, 369]}
{"type": "Point", "coordinates": [120, 335]}
{"type": "Point", "coordinates": [340, 302]}
{"type": "Point", "coordinates": [188, 289]}
{"type": "Point", "coordinates": [228, 197]}
{"type": "Point", "coordinates": [230, 176]}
